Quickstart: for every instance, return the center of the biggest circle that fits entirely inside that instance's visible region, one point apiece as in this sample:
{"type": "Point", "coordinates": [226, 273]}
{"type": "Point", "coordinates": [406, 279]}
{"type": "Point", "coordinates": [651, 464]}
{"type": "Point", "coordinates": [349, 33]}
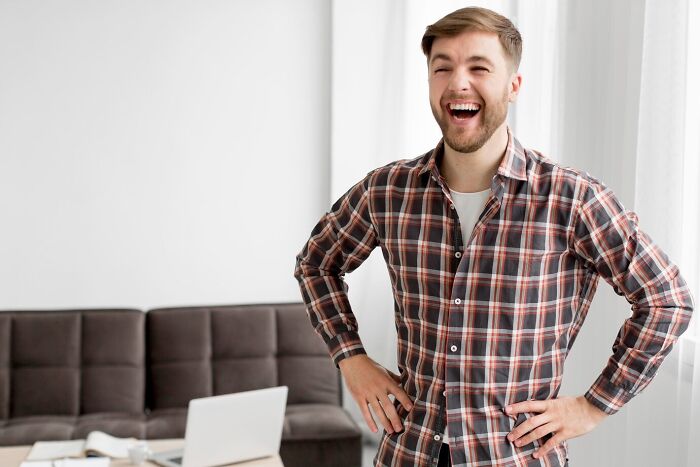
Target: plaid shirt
{"type": "Point", "coordinates": [488, 321]}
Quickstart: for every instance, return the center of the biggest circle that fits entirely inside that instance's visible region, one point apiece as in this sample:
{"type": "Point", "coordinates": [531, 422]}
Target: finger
{"type": "Point", "coordinates": [537, 433]}
{"type": "Point", "coordinates": [549, 445]}
{"type": "Point", "coordinates": [379, 413]}
{"type": "Point", "coordinates": [527, 406]}
{"type": "Point", "coordinates": [394, 376]}
{"type": "Point", "coordinates": [402, 397]}
{"type": "Point", "coordinates": [528, 425]}
{"type": "Point", "coordinates": [391, 414]}
{"type": "Point", "coordinates": [367, 416]}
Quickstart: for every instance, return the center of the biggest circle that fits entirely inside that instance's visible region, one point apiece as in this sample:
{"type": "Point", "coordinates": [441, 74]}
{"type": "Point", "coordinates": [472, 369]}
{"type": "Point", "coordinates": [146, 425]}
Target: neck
{"type": "Point", "coordinates": [471, 172]}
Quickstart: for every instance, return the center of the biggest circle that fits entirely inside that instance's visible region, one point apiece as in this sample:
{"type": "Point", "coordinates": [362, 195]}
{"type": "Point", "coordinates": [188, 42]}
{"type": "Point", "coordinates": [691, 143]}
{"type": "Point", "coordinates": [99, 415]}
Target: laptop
{"type": "Point", "coordinates": [230, 428]}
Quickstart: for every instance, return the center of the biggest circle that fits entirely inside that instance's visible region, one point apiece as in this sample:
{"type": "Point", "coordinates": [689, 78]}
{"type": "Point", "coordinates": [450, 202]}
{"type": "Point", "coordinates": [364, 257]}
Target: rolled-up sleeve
{"type": "Point", "coordinates": [339, 243]}
{"type": "Point", "coordinates": [607, 237]}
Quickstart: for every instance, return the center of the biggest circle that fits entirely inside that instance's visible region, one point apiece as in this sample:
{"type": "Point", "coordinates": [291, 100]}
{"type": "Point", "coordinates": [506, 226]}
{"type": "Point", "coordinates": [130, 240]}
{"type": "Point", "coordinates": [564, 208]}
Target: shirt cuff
{"type": "Point", "coordinates": [606, 396]}
{"type": "Point", "coordinates": [344, 345]}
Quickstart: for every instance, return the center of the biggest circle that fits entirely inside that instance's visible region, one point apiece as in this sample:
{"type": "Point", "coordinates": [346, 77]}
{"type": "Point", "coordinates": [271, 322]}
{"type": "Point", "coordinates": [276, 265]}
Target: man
{"type": "Point", "coordinates": [494, 253]}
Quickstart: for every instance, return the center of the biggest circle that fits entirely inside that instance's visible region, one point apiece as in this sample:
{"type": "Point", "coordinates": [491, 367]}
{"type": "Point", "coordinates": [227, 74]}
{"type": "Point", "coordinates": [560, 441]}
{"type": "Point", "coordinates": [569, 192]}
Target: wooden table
{"type": "Point", "coordinates": [13, 456]}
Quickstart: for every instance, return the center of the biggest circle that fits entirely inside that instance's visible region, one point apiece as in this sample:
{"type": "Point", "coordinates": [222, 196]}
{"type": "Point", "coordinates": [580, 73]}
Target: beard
{"type": "Point", "coordinates": [492, 117]}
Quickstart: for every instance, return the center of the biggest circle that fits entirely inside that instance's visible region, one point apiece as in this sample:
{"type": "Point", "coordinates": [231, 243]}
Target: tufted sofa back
{"type": "Point", "coordinates": [71, 362]}
{"type": "Point", "coordinates": [204, 351]}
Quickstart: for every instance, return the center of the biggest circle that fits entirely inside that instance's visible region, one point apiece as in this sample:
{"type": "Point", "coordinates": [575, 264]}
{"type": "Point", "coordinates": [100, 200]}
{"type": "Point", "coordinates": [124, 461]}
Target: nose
{"type": "Point", "coordinates": [460, 80]}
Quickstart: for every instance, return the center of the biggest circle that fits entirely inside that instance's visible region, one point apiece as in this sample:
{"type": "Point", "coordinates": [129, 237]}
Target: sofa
{"type": "Point", "coordinates": [64, 373]}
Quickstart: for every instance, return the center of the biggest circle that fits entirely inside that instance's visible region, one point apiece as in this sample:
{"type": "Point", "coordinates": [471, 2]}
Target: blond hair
{"type": "Point", "coordinates": [476, 19]}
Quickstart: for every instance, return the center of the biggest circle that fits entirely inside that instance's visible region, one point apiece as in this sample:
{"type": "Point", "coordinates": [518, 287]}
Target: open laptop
{"type": "Point", "coordinates": [230, 428]}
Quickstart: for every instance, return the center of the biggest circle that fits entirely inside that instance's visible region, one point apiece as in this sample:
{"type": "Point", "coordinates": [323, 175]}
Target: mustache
{"type": "Point", "coordinates": [456, 96]}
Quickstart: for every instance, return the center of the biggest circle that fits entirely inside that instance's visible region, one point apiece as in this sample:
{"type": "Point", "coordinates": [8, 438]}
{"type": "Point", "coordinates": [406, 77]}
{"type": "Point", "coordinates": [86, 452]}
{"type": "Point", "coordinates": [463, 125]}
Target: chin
{"type": "Point", "coordinates": [466, 145]}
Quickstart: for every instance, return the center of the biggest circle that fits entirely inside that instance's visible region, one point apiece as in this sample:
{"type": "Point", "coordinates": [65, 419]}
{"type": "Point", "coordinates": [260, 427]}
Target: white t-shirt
{"type": "Point", "coordinates": [468, 207]}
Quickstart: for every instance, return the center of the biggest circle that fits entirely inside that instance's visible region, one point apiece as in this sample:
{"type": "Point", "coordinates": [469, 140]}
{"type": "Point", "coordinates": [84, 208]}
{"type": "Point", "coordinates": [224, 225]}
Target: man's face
{"type": "Point", "coordinates": [471, 83]}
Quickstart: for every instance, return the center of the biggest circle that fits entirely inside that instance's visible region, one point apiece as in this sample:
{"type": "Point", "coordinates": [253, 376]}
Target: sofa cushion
{"type": "Point", "coordinates": [326, 452]}
{"type": "Point", "coordinates": [320, 434]}
{"type": "Point", "coordinates": [27, 430]}
{"type": "Point", "coordinates": [71, 362]}
{"type": "Point", "coordinates": [113, 375]}
{"type": "Point", "coordinates": [46, 364]}
{"type": "Point", "coordinates": [318, 421]}
{"type": "Point", "coordinates": [179, 356]}
{"type": "Point", "coordinates": [302, 358]}
{"type": "Point", "coordinates": [219, 350]}
{"type": "Point", "coordinates": [225, 349]}
{"type": "Point", "coordinates": [244, 344]}
{"type": "Point", "coordinates": [166, 423]}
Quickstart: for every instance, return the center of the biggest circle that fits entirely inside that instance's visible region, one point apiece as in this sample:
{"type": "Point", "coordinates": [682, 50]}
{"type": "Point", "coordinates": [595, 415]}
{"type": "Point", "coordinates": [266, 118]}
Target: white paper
{"type": "Point", "coordinates": [86, 462]}
{"type": "Point", "coordinates": [45, 450]}
{"type": "Point", "coordinates": [108, 445]}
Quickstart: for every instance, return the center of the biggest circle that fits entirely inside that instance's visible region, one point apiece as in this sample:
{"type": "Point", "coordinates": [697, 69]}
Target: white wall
{"type": "Point", "coordinates": [160, 152]}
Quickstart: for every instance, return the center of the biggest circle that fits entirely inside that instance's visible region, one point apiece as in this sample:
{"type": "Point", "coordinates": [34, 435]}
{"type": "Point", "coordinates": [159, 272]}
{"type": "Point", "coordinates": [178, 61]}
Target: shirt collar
{"type": "Point", "coordinates": [513, 164]}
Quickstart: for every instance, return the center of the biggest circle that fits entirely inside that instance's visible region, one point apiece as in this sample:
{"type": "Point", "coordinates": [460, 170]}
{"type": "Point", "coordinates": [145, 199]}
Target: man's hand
{"type": "Point", "coordinates": [565, 417]}
{"type": "Point", "coordinates": [370, 384]}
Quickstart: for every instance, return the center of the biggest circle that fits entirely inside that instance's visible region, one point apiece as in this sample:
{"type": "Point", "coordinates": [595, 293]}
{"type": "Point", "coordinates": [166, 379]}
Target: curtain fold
{"type": "Point", "coordinates": [666, 197]}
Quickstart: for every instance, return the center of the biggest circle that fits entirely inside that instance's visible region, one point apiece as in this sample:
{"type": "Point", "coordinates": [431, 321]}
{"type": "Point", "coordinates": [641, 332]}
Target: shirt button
{"type": "Point", "coordinates": [436, 437]}
{"type": "Point", "coordinates": [444, 393]}
{"type": "Point", "coordinates": [458, 254]}
{"type": "Point", "coordinates": [452, 206]}
{"type": "Point", "coordinates": [453, 348]}
{"type": "Point", "coordinates": [458, 301]}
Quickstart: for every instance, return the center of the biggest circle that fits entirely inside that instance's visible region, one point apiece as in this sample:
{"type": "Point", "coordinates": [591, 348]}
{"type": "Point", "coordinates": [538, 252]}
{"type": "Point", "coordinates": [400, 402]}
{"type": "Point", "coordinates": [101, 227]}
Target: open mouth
{"type": "Point", "coordinates": [463, 111]}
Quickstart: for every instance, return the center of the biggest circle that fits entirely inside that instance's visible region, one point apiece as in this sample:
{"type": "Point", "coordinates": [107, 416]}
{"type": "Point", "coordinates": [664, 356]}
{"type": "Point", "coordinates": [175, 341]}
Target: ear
{"type": "Point", "coordinates": [516, 80]}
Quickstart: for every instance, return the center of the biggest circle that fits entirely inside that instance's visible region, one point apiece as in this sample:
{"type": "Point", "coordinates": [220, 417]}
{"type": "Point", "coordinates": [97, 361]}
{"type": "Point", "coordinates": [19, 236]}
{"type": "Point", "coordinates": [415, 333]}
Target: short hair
{"type": "Point", "coordinates": [476, 19]}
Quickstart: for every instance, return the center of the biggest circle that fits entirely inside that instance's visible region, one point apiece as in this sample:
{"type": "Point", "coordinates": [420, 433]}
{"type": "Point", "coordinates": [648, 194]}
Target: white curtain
{"type": "Point", "coordinates": [667, 414]}
{"type": "Point", "coordinates": [604, 90]}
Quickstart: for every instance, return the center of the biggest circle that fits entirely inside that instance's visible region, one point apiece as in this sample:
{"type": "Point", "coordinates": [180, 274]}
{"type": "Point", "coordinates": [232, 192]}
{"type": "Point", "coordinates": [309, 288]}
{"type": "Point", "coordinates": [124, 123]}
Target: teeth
{"type": "Point", "coordinates": [464, 106]}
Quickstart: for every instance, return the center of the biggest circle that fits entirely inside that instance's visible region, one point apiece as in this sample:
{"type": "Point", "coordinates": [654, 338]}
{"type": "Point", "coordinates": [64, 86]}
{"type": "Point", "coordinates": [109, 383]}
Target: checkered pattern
{"type": "Point", "coordinates": [490, 320]}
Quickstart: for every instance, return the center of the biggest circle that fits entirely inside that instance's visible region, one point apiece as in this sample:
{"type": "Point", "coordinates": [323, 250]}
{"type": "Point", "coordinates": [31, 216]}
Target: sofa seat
{"type": "Point", "coordinates": [26, 430]}
{"type": "Point", "coordinates": [315, 433]}
{"type": "Point", "coordinates": [317, 422]}
{"type": "Point", "coordinates": [166, 423]}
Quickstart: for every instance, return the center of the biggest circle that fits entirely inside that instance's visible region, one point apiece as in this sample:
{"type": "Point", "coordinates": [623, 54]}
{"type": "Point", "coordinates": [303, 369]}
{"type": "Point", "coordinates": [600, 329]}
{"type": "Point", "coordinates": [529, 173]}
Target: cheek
{"type": "Point", "coordinates": [435, 94]}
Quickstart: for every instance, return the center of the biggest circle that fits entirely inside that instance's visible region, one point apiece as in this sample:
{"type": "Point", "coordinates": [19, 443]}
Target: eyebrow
{"type": "Point", "coordinates": [473, 58]}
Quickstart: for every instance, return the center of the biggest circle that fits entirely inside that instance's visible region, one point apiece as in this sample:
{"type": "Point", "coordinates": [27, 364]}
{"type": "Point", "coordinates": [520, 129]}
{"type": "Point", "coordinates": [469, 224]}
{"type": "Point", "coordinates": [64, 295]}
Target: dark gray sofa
{"type": "Point", "coordinates": [64, 373]}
